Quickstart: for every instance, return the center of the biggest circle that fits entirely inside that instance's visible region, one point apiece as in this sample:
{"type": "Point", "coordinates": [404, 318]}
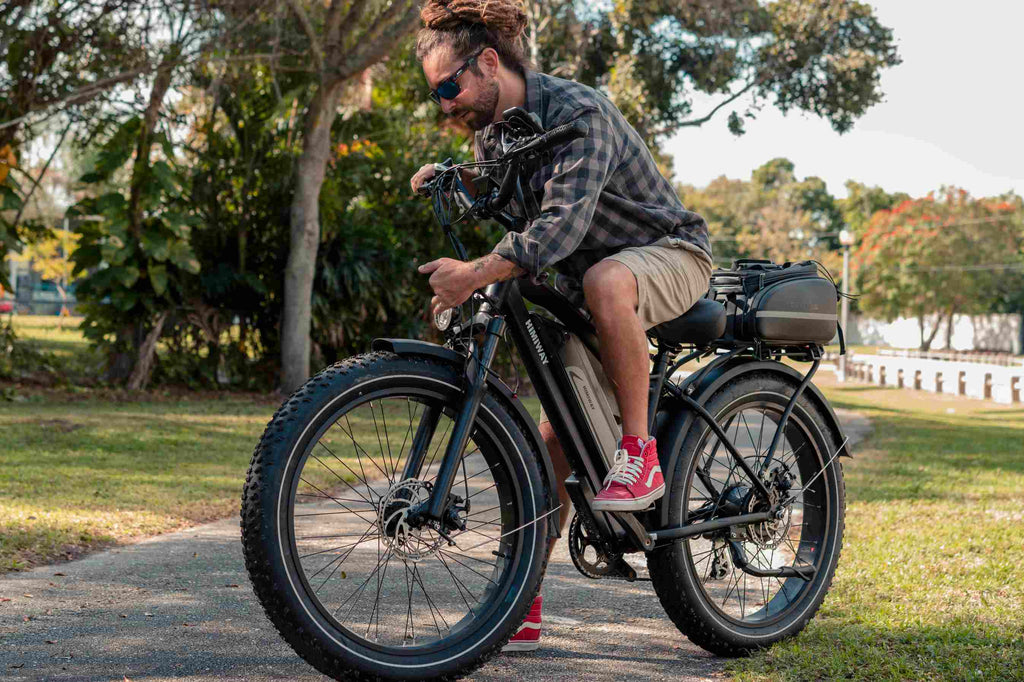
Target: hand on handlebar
{"type": "Point", "coordinates": [421, 178]}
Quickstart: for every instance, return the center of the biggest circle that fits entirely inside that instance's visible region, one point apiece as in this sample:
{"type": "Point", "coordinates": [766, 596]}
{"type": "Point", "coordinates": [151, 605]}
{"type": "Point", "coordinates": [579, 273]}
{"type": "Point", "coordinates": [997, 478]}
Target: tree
{"type": "Point", "coordinates": [342, 40]}
{"type": "Point", "coordinates": [58, 57]}
{"type": "Point", "coordinates": [773, 215]}
{"type": "Point", "coordinates": [138, 257]}
{"type": "Point", "coordinates": [935, 257]}
{"type": "Point", "coordinates": [654, 56]}
{"type": "Point", "coordinates": [51, 258]}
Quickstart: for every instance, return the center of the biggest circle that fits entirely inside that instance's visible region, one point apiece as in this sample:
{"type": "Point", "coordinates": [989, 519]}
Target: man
{"type": "Point", "coordinates": [607, 215]}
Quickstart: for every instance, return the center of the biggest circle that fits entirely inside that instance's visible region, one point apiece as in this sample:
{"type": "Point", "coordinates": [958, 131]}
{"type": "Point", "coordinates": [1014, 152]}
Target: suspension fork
{"type": "Point", "coordinates": [477, 367]}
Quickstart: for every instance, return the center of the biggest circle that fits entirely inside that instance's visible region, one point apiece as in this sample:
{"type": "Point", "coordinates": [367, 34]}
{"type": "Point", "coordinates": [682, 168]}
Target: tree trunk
{"type": "Point", "coordinates": [1019, 350]}
{"type": "Point", "coordinates": [926, 344]}
{"type": "Point", "coordinates": [305, 236]}
{"type": "Point", "coordinates": [140, 169]}
{"type": "Point", "coordinates": [147, 353]}
{"type": "Point", "coordinates": [949, 328]}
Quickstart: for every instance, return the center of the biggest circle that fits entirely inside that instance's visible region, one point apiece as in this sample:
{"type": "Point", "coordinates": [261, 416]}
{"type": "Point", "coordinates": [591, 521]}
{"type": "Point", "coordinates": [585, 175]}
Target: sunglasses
{"type": "Point", "coordinates": [449, 88]}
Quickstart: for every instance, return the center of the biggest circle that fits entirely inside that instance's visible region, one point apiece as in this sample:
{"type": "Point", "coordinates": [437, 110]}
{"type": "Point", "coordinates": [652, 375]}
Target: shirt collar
{"type": "Point", "coordinates": [532, 91]}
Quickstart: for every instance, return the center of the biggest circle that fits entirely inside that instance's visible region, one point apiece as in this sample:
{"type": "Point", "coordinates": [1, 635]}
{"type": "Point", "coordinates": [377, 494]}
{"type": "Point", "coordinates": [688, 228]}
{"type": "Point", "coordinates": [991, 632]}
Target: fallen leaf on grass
{"type": "Point", "coordinates": [51, 641]}
{"type": "Point", "coordinates": [5, 599]}
{"type": "Point", "coordinates": [231, 585]}
{"type": "Point", "coordinates": [27, 595]}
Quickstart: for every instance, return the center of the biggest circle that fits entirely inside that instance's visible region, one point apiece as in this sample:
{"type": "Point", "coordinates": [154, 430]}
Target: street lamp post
{"type": "Point", "coordinates": [846, 239]}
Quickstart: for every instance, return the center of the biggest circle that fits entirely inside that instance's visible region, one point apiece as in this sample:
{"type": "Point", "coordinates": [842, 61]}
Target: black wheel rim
{"type": "Point", "coordinates": [797, 540]}
{"type": "Point", "coordinates": [393, 597]}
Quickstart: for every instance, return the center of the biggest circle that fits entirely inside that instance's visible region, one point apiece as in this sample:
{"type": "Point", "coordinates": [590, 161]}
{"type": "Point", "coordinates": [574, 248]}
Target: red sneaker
{"type": "Point", "coordinates": [635, 478]}
{"type": "Point", "coordinates": [527, 637]}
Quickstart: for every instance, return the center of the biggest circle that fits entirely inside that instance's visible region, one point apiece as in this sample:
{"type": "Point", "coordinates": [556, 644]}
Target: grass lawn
{"type": "Point", "coordinates": [47, 333]}
{"type": "Point", "coordinates": [931, 580]}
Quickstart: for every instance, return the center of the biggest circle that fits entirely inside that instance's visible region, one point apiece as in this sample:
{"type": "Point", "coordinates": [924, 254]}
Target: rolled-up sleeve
{"type": "Point", "coordinates": [580, 170]}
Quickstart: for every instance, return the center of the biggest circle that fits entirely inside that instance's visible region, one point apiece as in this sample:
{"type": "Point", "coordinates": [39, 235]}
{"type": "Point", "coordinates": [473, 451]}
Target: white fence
{"type": "Point", "coordinates": [980, 380]}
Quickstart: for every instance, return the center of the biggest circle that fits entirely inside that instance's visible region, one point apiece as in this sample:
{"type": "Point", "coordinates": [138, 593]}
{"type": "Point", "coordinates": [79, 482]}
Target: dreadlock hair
{"type": "Point", "coordinates": [466, 26]}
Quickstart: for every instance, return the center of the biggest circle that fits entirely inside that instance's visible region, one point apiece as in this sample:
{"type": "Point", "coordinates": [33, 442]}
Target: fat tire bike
{"type": "Point", "coordinates": [397, 508]}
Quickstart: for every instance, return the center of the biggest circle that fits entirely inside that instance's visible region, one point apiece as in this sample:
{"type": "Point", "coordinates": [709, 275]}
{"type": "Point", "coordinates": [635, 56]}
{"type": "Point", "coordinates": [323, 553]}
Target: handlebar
{"type": "Point", "coordinates": [497, 201]}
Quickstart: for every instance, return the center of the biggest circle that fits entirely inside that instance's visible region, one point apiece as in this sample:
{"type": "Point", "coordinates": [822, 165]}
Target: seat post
{"type": "Point", "coordinates": [661, 361]}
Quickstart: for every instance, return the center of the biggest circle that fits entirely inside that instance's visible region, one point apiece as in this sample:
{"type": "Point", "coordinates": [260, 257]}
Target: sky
{"type": "Point", "coordinates": [953, 113]}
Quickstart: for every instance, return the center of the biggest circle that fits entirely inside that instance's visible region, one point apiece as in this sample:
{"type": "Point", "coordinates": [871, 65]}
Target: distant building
{"type": "Point", "coordinates": [32, 294]}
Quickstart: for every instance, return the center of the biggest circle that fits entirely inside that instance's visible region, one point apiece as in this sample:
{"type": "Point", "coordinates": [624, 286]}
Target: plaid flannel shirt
{"type": "Point", "coordinates": [599, 194]}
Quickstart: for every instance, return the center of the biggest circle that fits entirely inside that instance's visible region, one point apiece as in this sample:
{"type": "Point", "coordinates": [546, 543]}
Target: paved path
{"type": "Point", "coordinates": [179, 607]}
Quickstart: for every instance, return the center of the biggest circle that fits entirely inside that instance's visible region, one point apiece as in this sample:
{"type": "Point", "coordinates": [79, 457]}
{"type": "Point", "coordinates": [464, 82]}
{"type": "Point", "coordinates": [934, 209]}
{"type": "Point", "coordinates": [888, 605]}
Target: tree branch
{"type": "Point", "coordinates": [704, 119]}
{"type": "Point", "coordinates": [35, 183]}
{"type": "Point", "coordinates": [387, 31]}
{"type": "Point", "coordinates": [307, 27]}
{"type": "Point", "coordinates": [343, 28]}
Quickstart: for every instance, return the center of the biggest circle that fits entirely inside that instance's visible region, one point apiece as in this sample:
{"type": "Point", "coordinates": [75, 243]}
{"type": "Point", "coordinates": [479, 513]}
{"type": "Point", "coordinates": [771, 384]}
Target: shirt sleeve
{"type": "Point", "coordinates": [580, 171]}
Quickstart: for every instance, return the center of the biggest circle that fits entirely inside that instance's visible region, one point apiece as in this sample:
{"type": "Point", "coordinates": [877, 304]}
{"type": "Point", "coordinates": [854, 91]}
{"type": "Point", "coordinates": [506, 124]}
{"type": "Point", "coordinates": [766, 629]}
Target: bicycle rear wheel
{"type": "Point", "coordinates": [352, 586]}
{"type": "Point", "coordinates": [720, 604]}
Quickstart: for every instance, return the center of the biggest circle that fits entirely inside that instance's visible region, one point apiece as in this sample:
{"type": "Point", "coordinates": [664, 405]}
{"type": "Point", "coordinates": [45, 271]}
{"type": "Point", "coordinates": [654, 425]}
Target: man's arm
{"type": "Point", "coordinates": [454, 281]}
{"type": "Point", "coordinates": [493, 268]}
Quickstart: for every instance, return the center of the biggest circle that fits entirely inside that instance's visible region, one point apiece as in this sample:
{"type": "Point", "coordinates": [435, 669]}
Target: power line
{"type": "Point", "coordinates": [928, 226]}
{"type": "Point", "coordinates": [966, 268]}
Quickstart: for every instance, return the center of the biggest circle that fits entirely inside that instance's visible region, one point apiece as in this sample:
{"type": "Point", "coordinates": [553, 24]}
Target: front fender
{"type": "Point", "coordinates": [504, 393]}
{"type": "Point", "coordinates": [674, 418]}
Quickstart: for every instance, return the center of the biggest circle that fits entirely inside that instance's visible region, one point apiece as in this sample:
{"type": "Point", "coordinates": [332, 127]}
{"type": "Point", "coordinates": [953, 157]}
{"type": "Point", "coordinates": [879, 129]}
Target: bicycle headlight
{"type": "Point", "coordinates": [444, 319]}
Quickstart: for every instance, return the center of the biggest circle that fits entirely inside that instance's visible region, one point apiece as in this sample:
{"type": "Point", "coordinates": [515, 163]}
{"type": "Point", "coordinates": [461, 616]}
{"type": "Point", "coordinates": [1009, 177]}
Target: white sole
{"type": "Point", "coordinates": [520, 646]}
{"type": "Point", "coordinates": [636, 504]}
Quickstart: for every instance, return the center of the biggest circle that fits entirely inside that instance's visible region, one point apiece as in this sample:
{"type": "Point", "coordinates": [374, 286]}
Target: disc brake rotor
{"type": "Point", "coordinates": [405, 540]}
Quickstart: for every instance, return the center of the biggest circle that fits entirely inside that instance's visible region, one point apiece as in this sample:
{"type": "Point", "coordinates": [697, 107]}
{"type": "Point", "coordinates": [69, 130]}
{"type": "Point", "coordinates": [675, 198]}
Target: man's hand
{"type": "Point", "coordinates": [422, 176]}
{"type": "Point", "coordinates": [453, 281]}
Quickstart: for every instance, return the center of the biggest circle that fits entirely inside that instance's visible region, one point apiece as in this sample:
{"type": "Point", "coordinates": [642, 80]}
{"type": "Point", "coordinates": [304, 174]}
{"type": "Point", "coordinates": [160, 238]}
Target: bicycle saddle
{"type": "Point", "coordinates": [701, 324]}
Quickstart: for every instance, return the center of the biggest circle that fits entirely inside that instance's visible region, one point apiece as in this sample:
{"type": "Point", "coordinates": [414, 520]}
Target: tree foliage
{"type": "Point", "coordinates": [658, 58]}
{"type": "Point", "coordinates": [773, 215]}
{"type": "Point", "coordinates": [939, 256]}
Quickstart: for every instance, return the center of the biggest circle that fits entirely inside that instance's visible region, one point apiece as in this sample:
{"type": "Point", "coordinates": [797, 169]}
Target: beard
{"type": "Point", "coordinates": [480, 113]}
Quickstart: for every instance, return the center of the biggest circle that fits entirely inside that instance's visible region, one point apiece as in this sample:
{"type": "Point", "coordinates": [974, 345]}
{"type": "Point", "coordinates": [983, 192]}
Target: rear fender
{"type": "Point", "coordinates": [675, 418]}
{"type": "Point", "coordinates": [503, 393]}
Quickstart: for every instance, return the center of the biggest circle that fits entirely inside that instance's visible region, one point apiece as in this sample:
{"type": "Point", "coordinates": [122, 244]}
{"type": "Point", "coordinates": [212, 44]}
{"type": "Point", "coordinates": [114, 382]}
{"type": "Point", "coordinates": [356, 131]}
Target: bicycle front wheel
{"type": "Point", "coordinates": [353, 586]}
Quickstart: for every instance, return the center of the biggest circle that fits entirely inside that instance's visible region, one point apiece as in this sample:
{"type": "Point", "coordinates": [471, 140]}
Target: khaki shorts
{"type": "Point", "coordinates": [670, 278]}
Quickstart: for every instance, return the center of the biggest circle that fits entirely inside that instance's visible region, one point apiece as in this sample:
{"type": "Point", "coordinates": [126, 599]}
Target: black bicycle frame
{"type": "Point", "coordinates": [536, 338]}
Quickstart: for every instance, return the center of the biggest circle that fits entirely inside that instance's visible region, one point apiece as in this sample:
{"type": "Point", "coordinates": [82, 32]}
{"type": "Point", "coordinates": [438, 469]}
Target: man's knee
{"type": "Point", "coordinates": [609, 282]}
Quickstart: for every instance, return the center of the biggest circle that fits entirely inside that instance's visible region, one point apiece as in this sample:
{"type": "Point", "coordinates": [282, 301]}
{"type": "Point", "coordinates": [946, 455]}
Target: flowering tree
{"type": "Point", "coordinates": [935, 257]}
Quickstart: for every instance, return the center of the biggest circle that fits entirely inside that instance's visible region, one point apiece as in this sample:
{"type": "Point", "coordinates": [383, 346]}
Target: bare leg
{"type": "Point", "coordinates": [610, 290]}
{"type": "Point", "coordinates": [562, 472]}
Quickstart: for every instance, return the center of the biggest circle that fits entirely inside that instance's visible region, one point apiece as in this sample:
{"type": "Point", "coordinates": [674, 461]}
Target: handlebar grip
{"type": "Point", "coordinates": [556, 136]}
{"type": "Point", "coordinates": [564, 133]}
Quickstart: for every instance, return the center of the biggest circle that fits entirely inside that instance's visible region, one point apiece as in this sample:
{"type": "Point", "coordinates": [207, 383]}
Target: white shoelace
{"type": "Point", "coordinates": [625, 469]}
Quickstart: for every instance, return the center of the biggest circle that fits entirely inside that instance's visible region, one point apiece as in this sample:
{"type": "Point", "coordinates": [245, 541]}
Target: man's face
{"type": "Point", "coordinates": [478, 98]}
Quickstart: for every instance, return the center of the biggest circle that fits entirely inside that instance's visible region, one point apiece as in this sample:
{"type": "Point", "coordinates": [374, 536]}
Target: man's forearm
{"type": "Point", "coordinates": [493, 268]}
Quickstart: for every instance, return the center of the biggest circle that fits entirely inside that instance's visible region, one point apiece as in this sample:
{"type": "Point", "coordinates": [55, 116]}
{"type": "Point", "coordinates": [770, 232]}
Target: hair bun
{"type": "Point", "coordinates": [505, 17]}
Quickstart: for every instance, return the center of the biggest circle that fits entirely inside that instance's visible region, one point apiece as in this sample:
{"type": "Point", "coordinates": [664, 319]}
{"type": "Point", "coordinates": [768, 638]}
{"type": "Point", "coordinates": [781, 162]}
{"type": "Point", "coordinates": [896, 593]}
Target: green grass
{"type": "Point", "coordinates": [931, 581]}
{"type": "Point", "coordinates": [50, 334]}
{"type": "Point", "coordinates": [81, 475]}
{"type": "Point", "coordinates": [85, 470]}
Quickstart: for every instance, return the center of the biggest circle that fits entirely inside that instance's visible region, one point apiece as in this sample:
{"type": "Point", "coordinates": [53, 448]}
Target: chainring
{"type": "Point", "coordinates": [606, 566]}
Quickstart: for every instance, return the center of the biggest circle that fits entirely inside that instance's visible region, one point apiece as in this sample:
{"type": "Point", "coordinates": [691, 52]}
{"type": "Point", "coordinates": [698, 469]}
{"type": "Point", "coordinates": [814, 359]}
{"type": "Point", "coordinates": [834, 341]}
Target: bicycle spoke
{"type": "Point", "coordinates": [469, 568]}
{"type": "Point", "coordinates": [330, 497]}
